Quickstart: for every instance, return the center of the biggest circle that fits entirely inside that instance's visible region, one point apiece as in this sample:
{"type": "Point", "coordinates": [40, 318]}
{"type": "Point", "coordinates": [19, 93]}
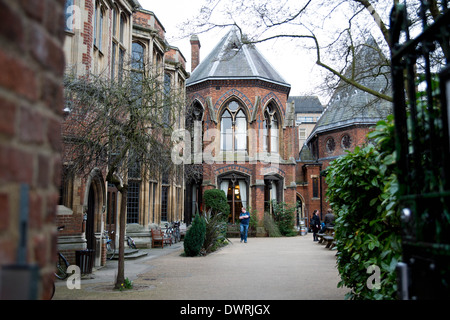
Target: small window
{"type": "Point", "coordinates": [330, 145]}
{"type": "Point", "coordinates": [346, 142]}
{"type": "Point", "coordinates": [315, 182]}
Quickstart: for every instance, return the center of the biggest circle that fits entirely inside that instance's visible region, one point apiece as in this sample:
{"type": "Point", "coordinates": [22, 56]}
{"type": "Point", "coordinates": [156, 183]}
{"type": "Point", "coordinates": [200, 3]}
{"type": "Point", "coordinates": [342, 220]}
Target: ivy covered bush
{"type": "Point", "coordinates": [195, 237]}
{"type": "Point", "coordinates": [362, 191]}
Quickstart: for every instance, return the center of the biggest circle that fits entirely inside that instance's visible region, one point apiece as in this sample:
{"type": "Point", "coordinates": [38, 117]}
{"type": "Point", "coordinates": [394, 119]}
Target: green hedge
{"type": "Point", "coordinates": [362, 191]}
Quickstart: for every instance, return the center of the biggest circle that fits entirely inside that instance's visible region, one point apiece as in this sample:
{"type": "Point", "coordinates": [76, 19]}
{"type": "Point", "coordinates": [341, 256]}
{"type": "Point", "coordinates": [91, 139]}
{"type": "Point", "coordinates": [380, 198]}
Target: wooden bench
{"type": "Point", "coordinates": [157, 238]}
{"type": "Point", "coordinates": [327, 238]}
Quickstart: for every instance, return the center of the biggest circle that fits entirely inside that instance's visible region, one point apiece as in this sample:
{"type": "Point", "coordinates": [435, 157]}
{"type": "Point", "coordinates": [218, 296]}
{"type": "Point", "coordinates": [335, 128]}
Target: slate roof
{"type": "Point", "coordinates": [306, 104]}
{"type": "Point", "coordinates": [350, 106]}
{"type": "Point", "coordinates": [231, 59]}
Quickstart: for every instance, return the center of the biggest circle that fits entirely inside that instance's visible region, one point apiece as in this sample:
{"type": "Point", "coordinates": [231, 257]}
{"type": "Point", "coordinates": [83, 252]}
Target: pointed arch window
{"type": "Point", "coordinates": [233, 128]}
{"type": "Point", "coordinates": [271, 138]}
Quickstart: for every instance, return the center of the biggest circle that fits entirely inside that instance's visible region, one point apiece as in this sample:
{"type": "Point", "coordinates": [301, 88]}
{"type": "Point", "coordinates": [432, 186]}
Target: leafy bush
{"type": "Point", "coordinates": [215, 231]}
{"type": "Point", "coordinates": [217, 201]}
{"type": "Point", "coordinates": [271, 226]}
{"type": "Point", "coordinates": [195, 237]}
{"type": "Point", "coordinates": [362, 190]}
{"type": "Point", "coordinates": [284, 218]}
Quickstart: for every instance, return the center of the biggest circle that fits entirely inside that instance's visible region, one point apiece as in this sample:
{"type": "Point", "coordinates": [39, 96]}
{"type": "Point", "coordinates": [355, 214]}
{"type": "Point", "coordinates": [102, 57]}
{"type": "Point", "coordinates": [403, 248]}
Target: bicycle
{"type": "Point", "coordinates": [168, 234]}
{"type": "Point", "coordinates": [176, 231]}
{"type": "Point", "coordinates": [110, 248]}
{"type": "Point", "coordinates": [61, 264]}
{"type": "Point", "coordinates": [131, 243]}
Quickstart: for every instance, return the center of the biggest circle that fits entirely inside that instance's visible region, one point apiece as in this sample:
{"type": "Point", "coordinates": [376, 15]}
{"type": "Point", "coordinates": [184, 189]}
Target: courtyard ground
{"type": "Point", "coordinates": [294, 268]}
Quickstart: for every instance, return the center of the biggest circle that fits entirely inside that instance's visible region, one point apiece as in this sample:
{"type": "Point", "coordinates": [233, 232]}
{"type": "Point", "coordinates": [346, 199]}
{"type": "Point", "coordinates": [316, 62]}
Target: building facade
{"type": "Point", "coordinates": [308, 110]}
{"type": "Point", "coordinates": [104, 39]}
{"type": "Point", "coordinates": [246, 141]}
{"type": "Point", "coordinates": [347, 119]}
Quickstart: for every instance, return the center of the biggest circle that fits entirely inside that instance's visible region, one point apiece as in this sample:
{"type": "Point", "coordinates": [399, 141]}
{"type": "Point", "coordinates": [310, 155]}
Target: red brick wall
{"type": "Point", "coordinates": [31, 100]}
{"type": "Point", "coordinates": [246, 92]}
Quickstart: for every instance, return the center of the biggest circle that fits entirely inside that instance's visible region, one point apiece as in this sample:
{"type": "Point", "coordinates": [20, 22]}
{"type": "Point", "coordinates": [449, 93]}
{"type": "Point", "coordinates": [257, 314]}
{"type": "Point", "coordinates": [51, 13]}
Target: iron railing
{"type": "Point", "coordinates": [421, 89]}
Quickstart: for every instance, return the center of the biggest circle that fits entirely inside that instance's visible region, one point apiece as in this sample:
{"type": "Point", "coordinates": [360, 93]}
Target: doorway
{"type": "Point", "coordinates": [235, 187]}
{"type": "Point", "coordinates": [90, 216]}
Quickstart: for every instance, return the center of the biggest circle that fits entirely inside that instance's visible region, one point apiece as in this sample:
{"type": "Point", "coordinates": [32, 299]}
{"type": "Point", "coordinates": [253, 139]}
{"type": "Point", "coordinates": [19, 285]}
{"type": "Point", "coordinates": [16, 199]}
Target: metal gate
{"type": "Point", "coordinates": [421, 97]}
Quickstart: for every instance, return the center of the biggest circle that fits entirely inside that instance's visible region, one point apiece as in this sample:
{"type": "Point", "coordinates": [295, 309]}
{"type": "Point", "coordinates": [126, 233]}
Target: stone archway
{"type": "Point", "coordinates": [94, 206]}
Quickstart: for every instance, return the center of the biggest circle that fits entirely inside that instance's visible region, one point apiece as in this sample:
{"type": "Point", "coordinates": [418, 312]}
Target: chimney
{"type": "Point", "coordinates": [195, 52]}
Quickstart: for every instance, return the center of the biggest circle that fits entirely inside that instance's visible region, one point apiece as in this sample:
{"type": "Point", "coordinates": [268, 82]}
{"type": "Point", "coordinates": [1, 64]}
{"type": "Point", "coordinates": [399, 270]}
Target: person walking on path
{"type": "Point", "coordinates": [315, 225]}
{"type": "Point", "coordinates": [245, 219]}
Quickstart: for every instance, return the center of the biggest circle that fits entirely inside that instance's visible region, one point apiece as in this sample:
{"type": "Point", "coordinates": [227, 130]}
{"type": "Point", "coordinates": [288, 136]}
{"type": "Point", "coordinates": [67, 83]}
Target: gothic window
{"type": "Point", "coordinates": [271, 140]}
{"type": "Point", "coordinates": [233, 128]}
{"type": "Point", "coordinates": [194, 125]}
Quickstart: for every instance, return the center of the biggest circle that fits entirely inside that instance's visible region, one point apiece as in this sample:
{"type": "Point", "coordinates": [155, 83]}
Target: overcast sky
{"type": "Point", "coordinates": [296, 67]}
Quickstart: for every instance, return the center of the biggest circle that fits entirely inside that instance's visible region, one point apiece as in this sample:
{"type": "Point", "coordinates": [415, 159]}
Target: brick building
{"type": "Point", "coordinates": [250, 128]}
{"type": "Point", "coordinates": [348, 117]}
{"type": "Point", "coordinates": [105, 38]}
{"type": "Point", "coordinates": [250, 141]}
{"type": "Point", "coordinates": [31, 96]}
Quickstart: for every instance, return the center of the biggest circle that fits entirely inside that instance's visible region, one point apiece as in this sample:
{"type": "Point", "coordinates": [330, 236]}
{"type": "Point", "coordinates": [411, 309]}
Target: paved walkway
{"type": "Point", "coordinates": [293, 268]}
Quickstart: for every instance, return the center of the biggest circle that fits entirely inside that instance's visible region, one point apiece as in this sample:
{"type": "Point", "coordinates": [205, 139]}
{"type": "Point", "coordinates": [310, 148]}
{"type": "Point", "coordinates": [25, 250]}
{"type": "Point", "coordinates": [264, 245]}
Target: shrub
{"type": "Point", "coordinates": [195, 236]}
{"type": "Point", "coordinates": [215, 231]}
{"type": "Point", "coordinates": [271, 226]}
{"type": "Point", "coordinates": [362, 191]}
{"type": "Point", "coordinates": [216, 200]}
{"type": "Point", "coordinates": [284, 218]}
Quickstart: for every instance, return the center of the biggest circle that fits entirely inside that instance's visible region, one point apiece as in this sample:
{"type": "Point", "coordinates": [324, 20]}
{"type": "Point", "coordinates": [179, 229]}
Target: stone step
{"type": "Point", "coordinates": [129, 254]}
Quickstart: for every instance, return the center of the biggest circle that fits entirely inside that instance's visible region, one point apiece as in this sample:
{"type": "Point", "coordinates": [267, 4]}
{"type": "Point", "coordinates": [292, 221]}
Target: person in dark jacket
{"type": "Point", "coordinates": [245, 220]}
{"type": "Point", "coordinates": [315, 224]}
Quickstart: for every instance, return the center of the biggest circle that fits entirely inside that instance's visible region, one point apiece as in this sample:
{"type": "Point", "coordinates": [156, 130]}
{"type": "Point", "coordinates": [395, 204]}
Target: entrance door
{"type": "Point", "coordinates": [90, 238]}
{"type": "Point", "coordinates": [236, 189]}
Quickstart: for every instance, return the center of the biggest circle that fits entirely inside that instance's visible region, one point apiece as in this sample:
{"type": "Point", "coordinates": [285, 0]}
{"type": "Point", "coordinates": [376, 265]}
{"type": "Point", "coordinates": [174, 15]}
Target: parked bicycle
{"type": "Point", "coordinates": [61, 264]}
{"type": "Point", "coordinates": [110, 247]}
{"type": "Point", "coordinates": [168, 234]}
{"type": "Point", "coordinates": [131, 243]}
{"type": "Point", "coordinates": [176, 231]}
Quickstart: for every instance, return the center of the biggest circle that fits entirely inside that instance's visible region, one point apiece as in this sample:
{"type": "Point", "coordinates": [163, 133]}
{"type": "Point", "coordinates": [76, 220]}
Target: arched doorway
{"type": "Point", "coordinates": [95, 205]}
{"type": "Point", "coordinates": [301, 211]}
{"type": "Point", "coordinates": [236, 187]}
{"type": "Point", "coordinates": [90, 219]}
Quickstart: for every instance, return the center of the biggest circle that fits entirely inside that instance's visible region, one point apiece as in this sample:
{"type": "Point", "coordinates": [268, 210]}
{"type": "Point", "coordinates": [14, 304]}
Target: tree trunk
{"type": "Point", "coordinates": [121, 261]}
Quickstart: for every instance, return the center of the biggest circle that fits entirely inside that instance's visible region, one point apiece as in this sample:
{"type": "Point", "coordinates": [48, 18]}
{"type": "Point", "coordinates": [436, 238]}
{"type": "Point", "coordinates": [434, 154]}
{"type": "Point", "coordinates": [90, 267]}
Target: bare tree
{"type": "Point", "coordinates": [334, 30]}
{"type": "Point", "coordinates": [121, 126]}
